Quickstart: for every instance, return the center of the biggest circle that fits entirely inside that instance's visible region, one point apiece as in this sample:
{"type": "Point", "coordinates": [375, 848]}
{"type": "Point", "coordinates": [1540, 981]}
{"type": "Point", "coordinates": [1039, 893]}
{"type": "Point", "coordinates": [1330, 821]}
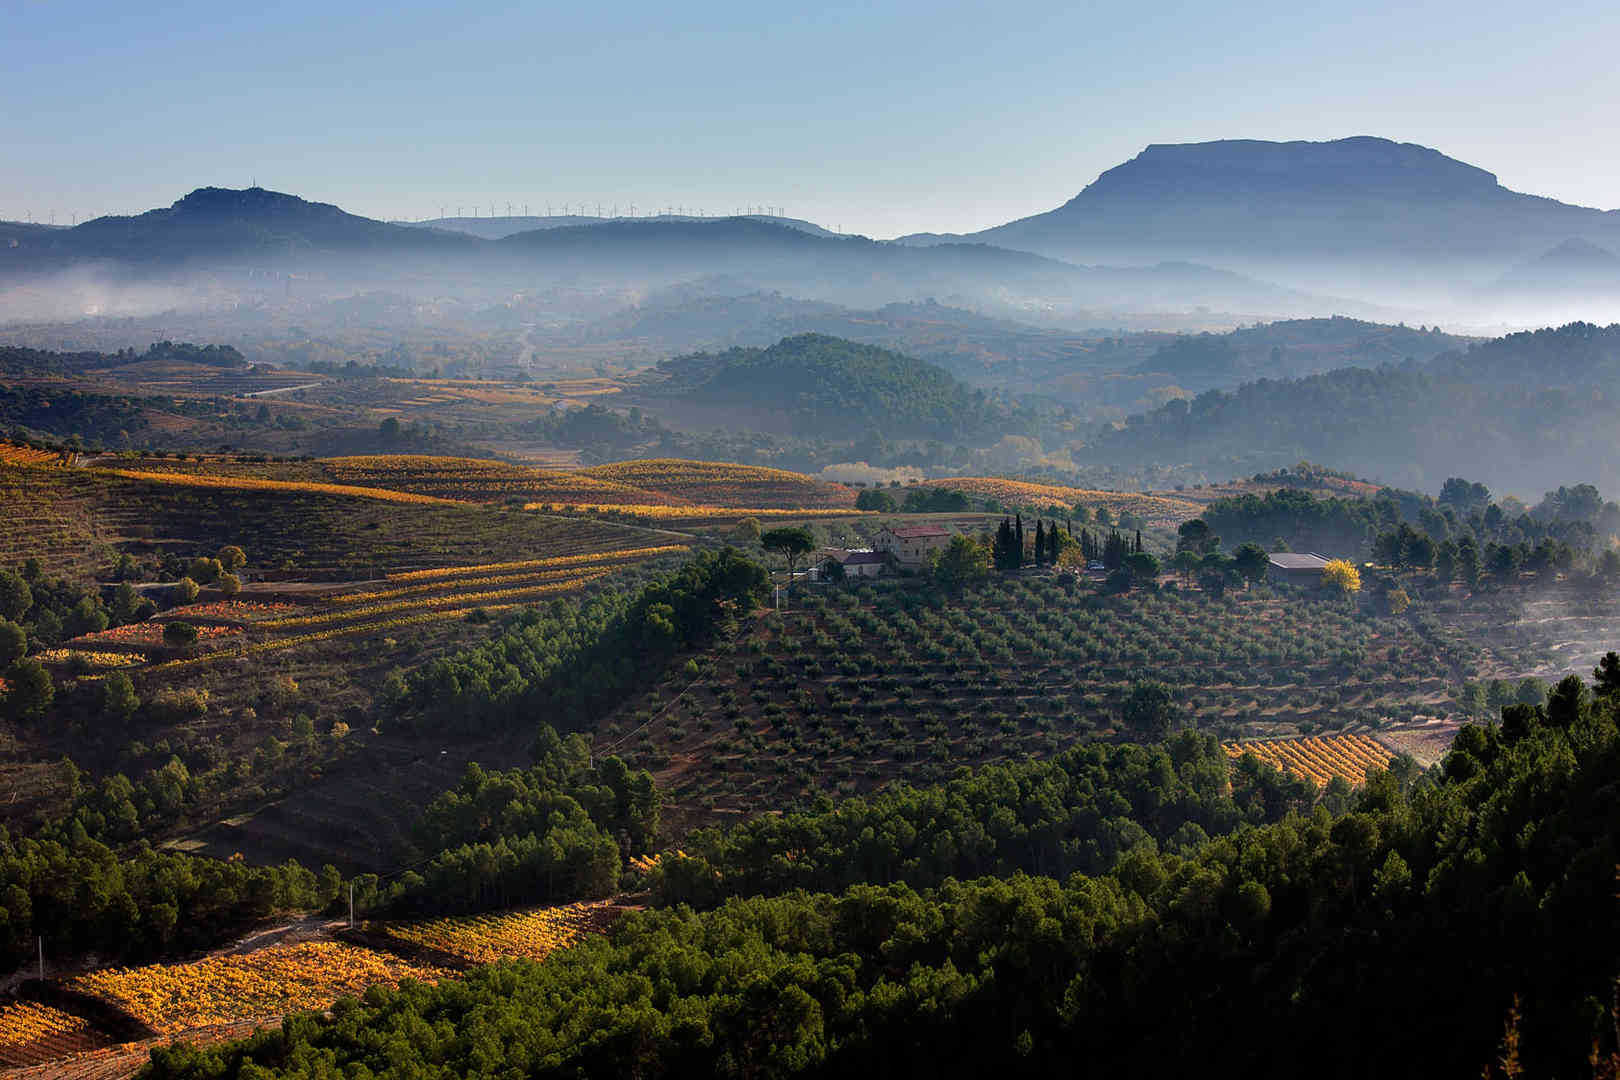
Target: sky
{"type": "Point", "coordinates": [881, 119]}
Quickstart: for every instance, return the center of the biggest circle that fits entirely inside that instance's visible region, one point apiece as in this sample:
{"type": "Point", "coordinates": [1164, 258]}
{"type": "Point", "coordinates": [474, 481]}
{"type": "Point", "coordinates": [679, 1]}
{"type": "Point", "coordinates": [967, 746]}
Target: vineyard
{"type": "Point", "coordinates": [76, 520]}
{"type": "Point", "coordinates": [444, 593]}
{"type": "Point", "coordinates": [24, 1022]}
{"type": "Point", "coordinates": [1158, 511]}
{"type": "Point", "coordinates": [718, 484]}
{"type": "Point", "coordinates": [33, 1032]}
{"type": "Point", "coordinates": [484, 939]}
{"type": "Point", "coordinates": [1319, 757]}
{"type": "Point", "coordinates": [652, 489]}
{"type": "Point", "coordinates": [13, 454]}
{"type": "Point", "coordinates": [254, 483]}
{"type": "Point", "coordinates": [264, 984]}
{"type": "Point", "coordinates": [476, 480]}
{"type": "Point", "coordinates": [694, 517]}
{"type": "Point", "coordinates": [858, 688]}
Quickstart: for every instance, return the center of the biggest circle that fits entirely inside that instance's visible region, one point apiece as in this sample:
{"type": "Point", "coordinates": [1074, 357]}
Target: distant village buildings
{"type": "Point", "coordinates": [857, 562]}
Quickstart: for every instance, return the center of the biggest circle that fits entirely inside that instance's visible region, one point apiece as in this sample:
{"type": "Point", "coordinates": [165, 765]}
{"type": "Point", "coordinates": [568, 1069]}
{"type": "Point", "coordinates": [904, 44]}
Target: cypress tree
{"type": "Point", "coordinates": [1018, 541]}
{"type": "Point", "coordinates": [1040, 543]}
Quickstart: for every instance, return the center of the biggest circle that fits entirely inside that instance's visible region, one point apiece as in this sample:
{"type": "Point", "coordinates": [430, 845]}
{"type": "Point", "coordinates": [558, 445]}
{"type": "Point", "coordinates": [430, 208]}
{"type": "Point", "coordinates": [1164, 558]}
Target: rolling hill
{"type": "Point", "coordinates": [1533, 408]}
{"type": "Point", "coordinates": [818, 385]}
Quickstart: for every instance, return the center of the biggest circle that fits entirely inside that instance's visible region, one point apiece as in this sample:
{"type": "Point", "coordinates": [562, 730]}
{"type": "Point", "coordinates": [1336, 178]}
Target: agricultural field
{"type": "Point", "coordinates": [484, 939]}
{"type": "Point", "coordinates": [860, 687]}
{"type": "Point", "coordinates": [1546, 633]}
{"type": "Point", "coordinates": [32, 1031]}
{"type": "Point", "coordinates": [78, 520]}
{"type": "Point", "coordinates": [1319, 757]}
{"type": "Point", "coordinates": [1158, 511]}
{"type": "Point", "coordinates": [261, 985]}
{"type": "Point", "coordinates": [13, 454]}
{"type": "Point", "coordinates": [717, 484]}
{"type": "Point", "coordinates": [462, 400]}
{"type": "Point", "coordinates": [690, 491]}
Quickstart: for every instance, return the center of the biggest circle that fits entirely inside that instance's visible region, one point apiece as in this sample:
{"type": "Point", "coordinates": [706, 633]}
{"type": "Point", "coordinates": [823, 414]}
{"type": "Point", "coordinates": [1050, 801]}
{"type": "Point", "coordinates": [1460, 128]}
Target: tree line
{"type": "Point", "coordinates": [568, 664]}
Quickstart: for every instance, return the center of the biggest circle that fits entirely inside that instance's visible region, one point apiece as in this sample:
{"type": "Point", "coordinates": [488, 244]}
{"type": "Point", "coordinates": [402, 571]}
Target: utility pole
{"type": "Point", "coordinates": [42, 959]}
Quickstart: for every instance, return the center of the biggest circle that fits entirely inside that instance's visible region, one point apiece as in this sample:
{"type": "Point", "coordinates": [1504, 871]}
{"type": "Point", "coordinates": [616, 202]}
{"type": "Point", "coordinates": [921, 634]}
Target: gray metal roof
{"type": "Point", "coordinates": [1293, 560]}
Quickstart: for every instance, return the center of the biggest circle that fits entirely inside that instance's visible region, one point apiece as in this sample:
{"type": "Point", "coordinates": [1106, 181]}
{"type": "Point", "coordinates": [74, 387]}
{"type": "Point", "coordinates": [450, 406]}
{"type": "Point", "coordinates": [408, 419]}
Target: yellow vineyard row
{"type": "Point", "coordinates": [253, 483]}
{"type": "Point", "coordinates": [23, 1022]}
{"type": "Point", "coordinates": [474, 599]}
{"type": "Point", "coordinates": [340, 631]}
{"type": "Point", "coordinates": [11, 454]}
{"type": "Point", "coordinates": [611, 558]}
{"type": "Point", "coordinates": [1319, 757]}
{"type": "Point", "coordinates": [538, 564]}
{"type": "Point", "coordinates": [484, 939]}
{"type": "Point", "coordinates": [664, 512]}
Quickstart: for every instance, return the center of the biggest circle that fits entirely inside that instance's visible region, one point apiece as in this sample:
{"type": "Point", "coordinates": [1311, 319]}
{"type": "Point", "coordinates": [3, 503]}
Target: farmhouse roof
{"type": "Point", "coordinates": [1291, 560]}
{"type": "Point", "coordinates": [861, 558]}
{"type": "Point", "coordinates": [918, 532]}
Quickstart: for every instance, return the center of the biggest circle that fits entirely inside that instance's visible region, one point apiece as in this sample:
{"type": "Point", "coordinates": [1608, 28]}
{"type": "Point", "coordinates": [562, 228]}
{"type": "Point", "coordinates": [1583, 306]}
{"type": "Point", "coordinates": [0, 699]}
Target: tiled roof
{"type": "Point", "coordinates": [919, 532]}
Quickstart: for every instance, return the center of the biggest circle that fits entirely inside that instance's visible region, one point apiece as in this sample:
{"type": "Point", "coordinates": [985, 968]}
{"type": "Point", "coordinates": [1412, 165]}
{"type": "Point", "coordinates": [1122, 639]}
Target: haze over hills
{"type": "Point", "coordinates": [497, 228]}
{"type": "Point", "coordinates": [1230, 231]}
{"type": "Point", "coordinates": [248, 234]}
{"type": "Point", "coordinates": [1365, 216]}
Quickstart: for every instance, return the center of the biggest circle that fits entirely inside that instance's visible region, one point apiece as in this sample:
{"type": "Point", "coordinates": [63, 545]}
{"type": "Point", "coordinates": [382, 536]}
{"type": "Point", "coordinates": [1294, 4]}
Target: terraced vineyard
{"type": "Point", "coordinates": [1319, 757]}
{"type": "Point", "coordinates": [484, 939]}
{"type": "Point", "coordinates": [867, 686]}
{"type": "Point", "coordinates": [76, 519]}
{"type": "Point", "coordinates": [707, 483]}
{"type": "Point", "coordinates": [641, 487]}
{"type": "Point", "coordinates": [13, 454]}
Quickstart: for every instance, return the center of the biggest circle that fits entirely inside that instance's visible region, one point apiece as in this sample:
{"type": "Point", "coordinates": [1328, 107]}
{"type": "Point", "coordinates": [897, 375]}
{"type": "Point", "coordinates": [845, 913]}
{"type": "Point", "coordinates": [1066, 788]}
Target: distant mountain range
{"type": "Point", "coordinates": [1360, 226]}
{"type": "Point", "coordinates": [257, 232]}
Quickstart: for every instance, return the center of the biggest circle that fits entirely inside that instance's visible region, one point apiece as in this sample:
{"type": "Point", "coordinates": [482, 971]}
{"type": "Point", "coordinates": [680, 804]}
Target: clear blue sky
{"type": "Point", "coordinates": [880, 119]}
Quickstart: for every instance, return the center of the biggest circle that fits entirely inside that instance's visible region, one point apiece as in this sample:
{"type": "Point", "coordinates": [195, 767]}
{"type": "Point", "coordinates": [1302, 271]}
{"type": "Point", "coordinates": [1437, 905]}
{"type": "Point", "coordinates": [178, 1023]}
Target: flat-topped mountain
{"type": "Point", "coordinates": [1344, 212]}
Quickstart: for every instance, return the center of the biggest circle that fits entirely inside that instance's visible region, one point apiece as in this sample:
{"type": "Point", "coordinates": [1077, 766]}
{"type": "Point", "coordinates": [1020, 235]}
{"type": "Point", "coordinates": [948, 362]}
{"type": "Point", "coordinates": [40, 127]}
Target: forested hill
{"type": "Point", "coordinates": [1292, 348]}
{"type": "Point", "coordinates": [1538, 406]}
{"type": "Point", "coordinates": [815, 384]}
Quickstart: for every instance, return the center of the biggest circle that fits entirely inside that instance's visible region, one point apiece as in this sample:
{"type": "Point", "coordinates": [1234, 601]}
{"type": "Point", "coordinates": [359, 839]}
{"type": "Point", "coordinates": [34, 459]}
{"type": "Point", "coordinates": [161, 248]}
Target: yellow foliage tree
{"type": "Point", "coordinates": [1342, 575]}
{"type": "Point", "coordinates": [1398, 601]}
